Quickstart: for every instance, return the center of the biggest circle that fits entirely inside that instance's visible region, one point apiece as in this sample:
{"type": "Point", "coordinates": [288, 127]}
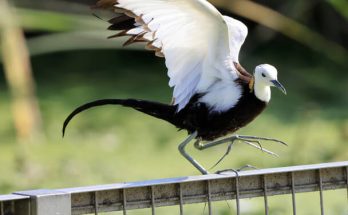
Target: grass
{"type": "Point", "coordinates": [114, 144]}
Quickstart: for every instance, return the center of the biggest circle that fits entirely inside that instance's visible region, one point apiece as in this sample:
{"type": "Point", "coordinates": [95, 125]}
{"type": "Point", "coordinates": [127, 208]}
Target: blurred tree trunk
{"type": "Point", "coordinates": [18, 73]}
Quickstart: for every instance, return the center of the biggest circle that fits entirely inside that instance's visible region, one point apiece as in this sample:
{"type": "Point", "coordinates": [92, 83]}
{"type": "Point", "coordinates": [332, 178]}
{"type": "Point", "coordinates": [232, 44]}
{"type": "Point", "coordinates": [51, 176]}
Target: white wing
{"type": "Point", "coordinates": [237, 34]}
{"type": "Point", "coordinates": [194, 38]}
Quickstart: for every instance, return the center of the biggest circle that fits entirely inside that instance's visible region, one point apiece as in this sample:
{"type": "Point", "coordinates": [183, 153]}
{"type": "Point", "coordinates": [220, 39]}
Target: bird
{"type": "Point", "coordinates": [213, 95]}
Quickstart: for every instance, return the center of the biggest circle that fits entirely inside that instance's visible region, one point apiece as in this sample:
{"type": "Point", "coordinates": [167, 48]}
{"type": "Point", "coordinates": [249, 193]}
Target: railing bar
{"type": "Point", "coordinates": [124, 198]}
{"type": "Point", "coordinates": [293, 193]}
{"type": "Point", "coordinates": [2, 208]}
{"type": "Point", "coordinates": [265, 194]}
{"type": "Point", "coordinates": [316, 182]}
{"type": "Point", "coordinates": [181, 200]}
{"type": "Point", "coordinates": [153, 200]}
{"type": "Point", "coordinates": [237, 195]}
{"type": "Point", "coordinates": [96, 203]}
{"type": "Point", "coordinates": [209, 198]}
{"type": "Point", "coordinates": [321, 192]}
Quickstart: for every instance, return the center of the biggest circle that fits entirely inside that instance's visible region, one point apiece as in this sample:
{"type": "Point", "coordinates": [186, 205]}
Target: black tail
{"type": "Point", "coordinates": [158, 110]}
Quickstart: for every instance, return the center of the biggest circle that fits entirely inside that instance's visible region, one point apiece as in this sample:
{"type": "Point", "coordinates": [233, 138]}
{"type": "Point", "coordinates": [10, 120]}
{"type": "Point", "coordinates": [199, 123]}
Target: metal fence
{"type": "Point", "coordinates": [180, 191]}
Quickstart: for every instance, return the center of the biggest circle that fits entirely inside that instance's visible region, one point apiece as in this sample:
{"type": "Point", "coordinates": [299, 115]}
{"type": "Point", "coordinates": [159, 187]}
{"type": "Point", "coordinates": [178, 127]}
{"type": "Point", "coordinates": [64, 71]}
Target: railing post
{"type": "Point", "coordinates": [48, 202]}
{"type": "Point", "coordinates": [22, 207]}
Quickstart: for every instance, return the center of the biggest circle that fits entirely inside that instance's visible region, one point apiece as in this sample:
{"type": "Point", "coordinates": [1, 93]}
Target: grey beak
{"type": "Point", "coordinates": [278, 85]}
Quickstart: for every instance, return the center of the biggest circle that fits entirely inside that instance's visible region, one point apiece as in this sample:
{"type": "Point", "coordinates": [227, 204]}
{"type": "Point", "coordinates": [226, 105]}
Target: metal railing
{"type": "Point", "coordinates": [180, 191]}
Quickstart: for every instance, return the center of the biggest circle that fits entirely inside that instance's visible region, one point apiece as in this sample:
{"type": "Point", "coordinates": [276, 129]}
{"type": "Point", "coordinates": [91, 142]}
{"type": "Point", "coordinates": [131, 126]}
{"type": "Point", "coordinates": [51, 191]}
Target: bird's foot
{"type": "Point", "coordinates": [236, 171]}
{"type": "Point", "coordinates": [249, 140]}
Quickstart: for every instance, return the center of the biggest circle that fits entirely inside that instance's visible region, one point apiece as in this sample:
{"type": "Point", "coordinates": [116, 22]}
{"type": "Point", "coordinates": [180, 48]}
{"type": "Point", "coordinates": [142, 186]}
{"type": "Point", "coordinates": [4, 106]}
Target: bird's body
{"type": "Point", "coordinates": [213, 95]}
{"type": "Point", "coordinates": [210, 124]}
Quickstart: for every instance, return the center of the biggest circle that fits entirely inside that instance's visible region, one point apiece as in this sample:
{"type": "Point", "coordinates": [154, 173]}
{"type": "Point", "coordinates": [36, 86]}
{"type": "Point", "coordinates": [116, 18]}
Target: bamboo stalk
{"type": "Point", "coordinates": [18, 74]}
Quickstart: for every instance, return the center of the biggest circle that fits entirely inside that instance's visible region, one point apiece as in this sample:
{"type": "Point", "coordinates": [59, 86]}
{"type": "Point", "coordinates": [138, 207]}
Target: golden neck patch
{"type": "Point", "coordinates": [251, 84]}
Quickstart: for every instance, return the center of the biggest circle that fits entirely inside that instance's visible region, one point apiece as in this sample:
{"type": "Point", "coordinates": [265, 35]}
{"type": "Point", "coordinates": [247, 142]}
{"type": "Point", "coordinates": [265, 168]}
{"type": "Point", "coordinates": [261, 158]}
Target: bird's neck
{"type": "Point", "coordinates": [262, 92]}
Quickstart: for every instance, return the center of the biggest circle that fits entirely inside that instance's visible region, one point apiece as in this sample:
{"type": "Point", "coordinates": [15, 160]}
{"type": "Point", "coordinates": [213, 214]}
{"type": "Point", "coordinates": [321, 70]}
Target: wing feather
{"type": "Point", "coordinates": [195, 39]}
{"type": "Point", "coordinates": [237, 35]}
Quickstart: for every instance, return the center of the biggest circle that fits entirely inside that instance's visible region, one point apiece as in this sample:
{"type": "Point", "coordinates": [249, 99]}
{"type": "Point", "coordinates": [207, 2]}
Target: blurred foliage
{"type": "Point", "coordinates": [55, 21]}
{"type": "Point", "coordinates": [341, 6]}
{"type": "Point", "coordinates": [287, 26]}
{"type": "Point", "coordinates": [113, 144]}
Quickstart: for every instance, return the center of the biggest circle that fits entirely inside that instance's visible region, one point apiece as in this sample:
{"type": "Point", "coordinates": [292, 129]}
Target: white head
{"type": "Point", "coordinates": [265, 78]}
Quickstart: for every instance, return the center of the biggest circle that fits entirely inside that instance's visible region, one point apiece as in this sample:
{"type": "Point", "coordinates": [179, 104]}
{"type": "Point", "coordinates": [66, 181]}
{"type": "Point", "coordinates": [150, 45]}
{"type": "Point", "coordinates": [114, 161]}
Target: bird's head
{"type": "Point", "coordinates": [267, 76]}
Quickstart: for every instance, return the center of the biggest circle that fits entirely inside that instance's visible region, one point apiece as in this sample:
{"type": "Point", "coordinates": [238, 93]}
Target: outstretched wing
{"type": "Point", "coordinates": [195, 39]}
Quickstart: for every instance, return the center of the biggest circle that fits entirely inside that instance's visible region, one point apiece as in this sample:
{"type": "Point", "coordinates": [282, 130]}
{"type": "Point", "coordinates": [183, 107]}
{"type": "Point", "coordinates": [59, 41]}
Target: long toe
{"type": "Point", "coordinates": [246, 167]}
{"type": "Point", "coordinates": [227, 171]}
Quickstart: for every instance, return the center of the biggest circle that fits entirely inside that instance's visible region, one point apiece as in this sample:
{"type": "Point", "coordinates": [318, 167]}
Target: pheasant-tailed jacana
{"type": "Point", "coordinates": [213, 94]}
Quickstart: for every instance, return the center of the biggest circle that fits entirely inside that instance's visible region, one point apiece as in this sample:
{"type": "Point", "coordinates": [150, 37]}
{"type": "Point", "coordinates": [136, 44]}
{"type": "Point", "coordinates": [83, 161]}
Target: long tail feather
{"type": "Point", "coordinates": [158, 110]}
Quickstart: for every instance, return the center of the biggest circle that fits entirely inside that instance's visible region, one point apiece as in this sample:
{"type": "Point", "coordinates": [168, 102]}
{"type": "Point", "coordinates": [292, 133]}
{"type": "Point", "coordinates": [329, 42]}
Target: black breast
{"type": "Point", "coordinates": [210, 125]}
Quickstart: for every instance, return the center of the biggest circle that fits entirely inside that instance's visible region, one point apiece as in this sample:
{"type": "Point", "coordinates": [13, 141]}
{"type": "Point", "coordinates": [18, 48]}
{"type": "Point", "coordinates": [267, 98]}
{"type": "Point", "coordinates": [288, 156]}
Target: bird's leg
{"type": "Point", "coordinates": [187, 156]}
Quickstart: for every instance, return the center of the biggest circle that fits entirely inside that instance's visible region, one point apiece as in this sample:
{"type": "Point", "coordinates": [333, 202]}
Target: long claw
{"type": "Point", "coordinates": [245, 167]}
{"type": "Point", "coordinates": [278, 141]}
{"type": "Point", "coordinates": [263, 138]}
{"type": "Point", "coordinates": [261, 148]}
{"type": "Point", "coordinates": [227, 170]}
{"type": "Point", "coordinates": [223, 157]}
{"type": "Point", "coordinates": [236, 171]}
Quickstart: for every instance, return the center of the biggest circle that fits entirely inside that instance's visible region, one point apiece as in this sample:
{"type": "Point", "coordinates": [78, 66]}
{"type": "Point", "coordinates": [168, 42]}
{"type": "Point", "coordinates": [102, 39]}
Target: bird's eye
{"type": "Point", "coordinates": [263, 75]}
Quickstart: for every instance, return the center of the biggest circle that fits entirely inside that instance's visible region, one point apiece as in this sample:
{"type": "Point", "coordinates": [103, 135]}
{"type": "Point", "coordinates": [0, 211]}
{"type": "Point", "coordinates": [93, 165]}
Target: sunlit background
{"type": "Point", "coordinates": [55, 56]}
